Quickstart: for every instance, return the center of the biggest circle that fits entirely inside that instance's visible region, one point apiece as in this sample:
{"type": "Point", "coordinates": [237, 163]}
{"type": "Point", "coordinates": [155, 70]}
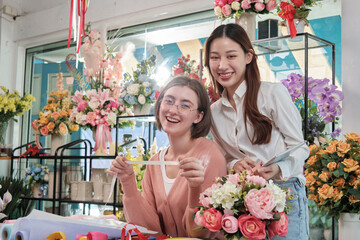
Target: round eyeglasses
{"type": "Point", "coordinates": [182, 107]}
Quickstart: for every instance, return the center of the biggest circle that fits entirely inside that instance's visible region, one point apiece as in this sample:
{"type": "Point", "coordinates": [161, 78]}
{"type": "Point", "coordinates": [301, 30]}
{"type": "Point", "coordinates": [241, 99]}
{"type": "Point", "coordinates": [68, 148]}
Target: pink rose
{"type": "Point", "coordinates": [256, 180]}
{"type": "Point", "coordinates": [271, 5]}
{"type": "Point", "coordinates": [251, 227]}
{"type": "Point", "coordinates": [229, 224]}
{"type": "Point", "coordinates": [259, 6]}
{"type": "Point", "coordinates": [279, 227]}
{"type": "Point", "coordinates": [260, 203]}
{"type": "Point", "coordinates": [91, 117]}
{"type": "Point", "coordinates": [198, 219]}
{"type": "Point", "coordinates": [212, 219]}
{"type": "Point", "coordinates": [178, 71]}
{"type": "Point", "coordinates": [44, 131]}
{"type": "Point", "coordinates": [226, 10]}
{"type": "Point", "coordinates": [233, 178]}
{"type": "Point", "coordinates": [245, 5]}
{"type": "Point", "coordinates": [81, 106]}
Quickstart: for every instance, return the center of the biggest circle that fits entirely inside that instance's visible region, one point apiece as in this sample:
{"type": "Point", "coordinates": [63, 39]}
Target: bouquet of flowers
{"type": "Point", "coordinates": [188, 67]}
{"type": "Point", "coordinates": [294, 9]}
{"type": "Point", "coordinates": [54, 119]}
{"type": "Point", "coordinates": [323, 103]}
{"type": "Point", "coordinates": [36, 174]}
{"type": "Point", "coordinates": [234, 8]}
{"type": "Point", "coordinates": [141, 87]}
{"type": "Point", "coordinates": [244, 205]}
{"type": "Point", "coordinates": [333, 175]}
{"type": "Point", "coordinates": [7, 197]}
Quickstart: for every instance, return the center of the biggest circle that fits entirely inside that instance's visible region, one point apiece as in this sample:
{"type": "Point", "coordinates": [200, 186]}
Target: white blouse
{"type": "Point", "coordinates": [274, 101]}
{"type": "Point", "coordinates": [168, 182]}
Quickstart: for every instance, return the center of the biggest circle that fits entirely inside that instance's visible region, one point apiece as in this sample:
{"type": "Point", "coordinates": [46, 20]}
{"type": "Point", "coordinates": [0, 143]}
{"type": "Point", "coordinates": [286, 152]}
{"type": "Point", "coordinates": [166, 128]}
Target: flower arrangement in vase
{"type": "Point", "coordinates": [234, 8]}
{"type": "Point", "coordinates": [294, 12]}
{"type": "Point", "coordinates": [11, 106]}
{"type": "Point", "coordinates": [324, 104]}
{"type": "Point", "coordinates": [96, 104]}
{"type": "Point", "coordinates": [187, 67]}
{"type": "Point", "coordinates": [244, 205]}
{"type": "Point", "coordinates": [332, 175]}
{"type": "Point", "coordinates": [37, 176]}
{"type": "Point", "coordinates": [140, 88]}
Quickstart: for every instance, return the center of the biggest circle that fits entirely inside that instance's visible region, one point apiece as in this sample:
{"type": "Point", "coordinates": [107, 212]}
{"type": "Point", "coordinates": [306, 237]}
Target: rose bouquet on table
{"type": "Point", "coordinates": [189, 68]}
{"type": "Point", "coordinates": [140, 87]}
{"type": "Point", "coordinates": [333, 175]}
{"type": "Point", "coordinates": [324, 101]}
{"type": "Point", "coordinates": [54, 119]}
{"type": "Point", "coordinates": [244, 205]}
{"type": "Point", "coordinates": [234, 8]}
{"type": "Point", "coordinates": [294, 9]}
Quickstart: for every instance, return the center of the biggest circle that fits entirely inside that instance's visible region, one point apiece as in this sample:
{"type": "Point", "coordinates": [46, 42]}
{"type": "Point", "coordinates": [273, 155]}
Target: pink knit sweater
{"type": "Point", "coordinates": [166, 214]}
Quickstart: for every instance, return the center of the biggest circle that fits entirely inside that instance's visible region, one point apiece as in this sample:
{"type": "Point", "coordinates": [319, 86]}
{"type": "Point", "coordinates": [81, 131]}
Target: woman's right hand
{"type": "Point", "coordinates": [120, 168]}
{"type": "Point", "coordinates": [245, 163]}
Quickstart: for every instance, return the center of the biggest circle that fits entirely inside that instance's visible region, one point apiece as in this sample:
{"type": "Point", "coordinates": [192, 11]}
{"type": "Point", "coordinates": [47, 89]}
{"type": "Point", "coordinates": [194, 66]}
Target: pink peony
{"type": "Point", "coordinates": [234, 178]}
{"type": "Point", "coordinates": [212, 219]}
{"type": "Point", "coordinates": [251, 227]}
{"type": "Point", "coordinates": [279, 227]}
{"type": "Point", "coordinates": [226, 10]}
{"type": "Point", "coordinates": [229, 224]}
{"type": "Point", "coordinates": [198, 219]}
{"type": "Point", "coordinates": [220, 3]}
{"type": "Point", "coordinates": [271, 5]}
{"type": "Point", "coordinates": [259, 6]}
{"type": "Point", "coordinates": [256, 180]}
{"type": "Point", "coordinates": [245, 5]}
{"type": "Point", "coordinates": [260, 203]}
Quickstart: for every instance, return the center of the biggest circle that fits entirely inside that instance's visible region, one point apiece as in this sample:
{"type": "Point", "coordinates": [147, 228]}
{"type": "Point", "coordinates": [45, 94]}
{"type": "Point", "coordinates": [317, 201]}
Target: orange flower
{"type": "Point", "coordinates": [312, 160]}
{"type": "Point", "coordinates": [55, 115]}
{"type": "Point", "coordinates": [43, 120]}
{"type": "Point", "coordinates": [313, 147]}
{"type": "Point", "coordinates": [312, 188]}
{"type": "Point", "coordinates": [330, 149]}
{"type": "Point", "coordinates": [321, 152]}
{"type": "Point", "coordinates": [352, 136]}
{"type": "Point", "coordinates": [343, 148]}
{"type": "Point", "coordinates": [63, 113]}
{"type": "Point", "coordinates": [337, 195]}
{"type": "Point", "coordinates": [339, 182]}
{"type": "Point", "coordinates": [51, 126]}
{"type": "Point", "coordinates": [352, 199]}
{"type": "Point", "coordinates": [350, 165]}
{"type": "Point", "coordinates": [331, 166]}
{"type": "Point", "coordinates": [63, 129]}
{"type": "Point", "coordinates": [354, 182]}
{"type": "Point", "coordinates": [324, 176]}
{"type": "Point", "coordinates": [313, 197]}
{"type": "Point", "coordinates": [335, 142]}
{"type": "Point", "coordinates": [310, 178]}
{"type": "Point", "coordinates": [325, 191]}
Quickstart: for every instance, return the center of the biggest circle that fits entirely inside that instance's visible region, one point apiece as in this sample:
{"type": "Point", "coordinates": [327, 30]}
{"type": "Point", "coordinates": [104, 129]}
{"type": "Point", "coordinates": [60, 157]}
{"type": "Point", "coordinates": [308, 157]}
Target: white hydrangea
{"type": "Point", "coordinates": [141, 99]}
{"type": "Point", "coordinates": [279, 195]}
{"type": "Point", "coordinates": [224, 195]}
{"type": "Point", "coordinates": [133, 89]}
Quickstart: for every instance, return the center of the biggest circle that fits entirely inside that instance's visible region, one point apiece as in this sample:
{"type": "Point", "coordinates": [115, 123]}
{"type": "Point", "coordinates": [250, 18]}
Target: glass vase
{"type": "Point", "coordinates": [3, 130]}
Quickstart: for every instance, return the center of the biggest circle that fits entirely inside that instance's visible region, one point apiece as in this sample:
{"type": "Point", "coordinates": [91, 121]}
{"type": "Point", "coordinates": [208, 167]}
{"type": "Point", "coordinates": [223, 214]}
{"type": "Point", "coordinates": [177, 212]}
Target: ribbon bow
{"type": "Point", "coordinates": [102, 131]}
{"type": "Point", "coordinates": [288, 12]}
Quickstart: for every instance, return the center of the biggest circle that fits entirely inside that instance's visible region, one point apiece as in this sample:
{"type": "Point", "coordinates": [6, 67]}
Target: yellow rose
{"type": "Point", "coordinates": [330, 149]}
{"type": "Point", "coordinates": [325, 191]}
{"type": "Point", "coordinates": [51, 126]}
{"type": "Point", "coordinates": [312, 160]}
{"type": "Point", "coordinates": [331, 166]}
{"type": "Point", "coordinates": [63, 129]}
{"type": "Point", "coordinates": [350, 165]}
{"type": "Point", "coordinates": [337, 195]}
{"type": "Point", "coordinates": [324, 176]}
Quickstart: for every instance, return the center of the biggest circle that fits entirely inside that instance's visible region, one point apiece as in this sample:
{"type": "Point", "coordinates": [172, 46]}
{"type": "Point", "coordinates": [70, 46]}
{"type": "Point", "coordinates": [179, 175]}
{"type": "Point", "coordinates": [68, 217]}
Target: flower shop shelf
{"type": "Point", "coordinates": [302, 54]}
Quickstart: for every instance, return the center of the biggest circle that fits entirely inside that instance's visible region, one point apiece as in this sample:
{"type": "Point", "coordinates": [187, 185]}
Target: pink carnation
{"type": "Point", "coordinates": [260, 203]}
{"type": "Point", "coordinates": [271, 5]}
{"type": "Point", "coordinates": [229, 224]}
{"type": "Point", "coordinates": [251, 227]}
{"type": "Point", "coordinates": [259, 6]}
{"type": "Point", "coordinates": [226, 10]}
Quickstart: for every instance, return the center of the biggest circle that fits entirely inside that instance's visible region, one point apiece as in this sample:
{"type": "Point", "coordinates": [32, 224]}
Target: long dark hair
{"type": "Point", "coordinates": [260, 123]}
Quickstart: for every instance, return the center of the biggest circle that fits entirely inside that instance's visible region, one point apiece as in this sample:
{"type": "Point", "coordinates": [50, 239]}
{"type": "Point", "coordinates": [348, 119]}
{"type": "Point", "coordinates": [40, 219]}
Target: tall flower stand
{"type": "Point", "coordinates": [248, 22]}
{"type": "Point", "coordinates": [349, 226]}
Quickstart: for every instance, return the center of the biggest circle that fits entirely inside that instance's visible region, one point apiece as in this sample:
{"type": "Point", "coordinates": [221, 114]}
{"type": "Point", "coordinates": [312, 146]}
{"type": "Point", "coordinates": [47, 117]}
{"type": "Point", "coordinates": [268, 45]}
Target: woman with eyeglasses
{"type": "Point", "coordinates": [170, 192]}
{"type": "Point", "coordinates": [253, 121]}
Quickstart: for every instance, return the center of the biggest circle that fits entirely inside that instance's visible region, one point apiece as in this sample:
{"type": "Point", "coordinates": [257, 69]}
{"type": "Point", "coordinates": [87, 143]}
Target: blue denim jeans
{"type": "Point", "coordinates": [298, 216]}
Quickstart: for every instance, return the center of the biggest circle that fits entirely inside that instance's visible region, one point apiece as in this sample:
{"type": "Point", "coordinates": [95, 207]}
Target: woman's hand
{"type": "Point", "coordinates": [193, 170]}
{"type": "Point", "coordinates": [120, 168]}
{"type": "Point", "coordinates": [245, 163]}
{"type": "Point", "coordinates": [269, 171]}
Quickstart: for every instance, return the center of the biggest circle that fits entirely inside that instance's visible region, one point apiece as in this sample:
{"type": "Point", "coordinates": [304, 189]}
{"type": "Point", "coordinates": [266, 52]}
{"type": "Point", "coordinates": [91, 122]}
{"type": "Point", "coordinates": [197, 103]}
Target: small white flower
{"type": "Point", "coordinates": [235, 6]}
{"type": "Point", "coordinates": [133, 89]}
{"type": "Point", "coordinates": [146, 84]}
{"type": "Point", "coordinates": [217, 11]}
{"type": "Point", "coordinates": [224, 195]}
{"type": "Point", "coordinates": [141, 99]}
{"type": "Point", "coordinates": [279, 195]}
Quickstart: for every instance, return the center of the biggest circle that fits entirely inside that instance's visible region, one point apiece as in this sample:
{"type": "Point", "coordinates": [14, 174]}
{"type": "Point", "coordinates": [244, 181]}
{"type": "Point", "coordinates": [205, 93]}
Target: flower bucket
{"type": "Point", "coordinates": [299, 25]}
{"type": "Point", "coordinates": [37, 193]}
{"type": "Point", "coordinates": [142, 109]}
{"type": "Point", "coordinates": [349, 226]}
{"type": "Point", "coordinates": [248, 22]}
{"type": "Point", "coordinates": [56, 141]}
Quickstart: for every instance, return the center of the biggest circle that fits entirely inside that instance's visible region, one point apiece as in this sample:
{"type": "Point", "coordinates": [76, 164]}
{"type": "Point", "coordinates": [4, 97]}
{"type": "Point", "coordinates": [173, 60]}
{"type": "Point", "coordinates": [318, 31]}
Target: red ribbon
{"type": "Point", "coordinates": [82, 6]}
{"type": "Point", "coordinates": [102, 131]}
{"type": "Point", "coordinates": [287, 12]}
{"type": "Point", "coordinates": [139, 234]}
